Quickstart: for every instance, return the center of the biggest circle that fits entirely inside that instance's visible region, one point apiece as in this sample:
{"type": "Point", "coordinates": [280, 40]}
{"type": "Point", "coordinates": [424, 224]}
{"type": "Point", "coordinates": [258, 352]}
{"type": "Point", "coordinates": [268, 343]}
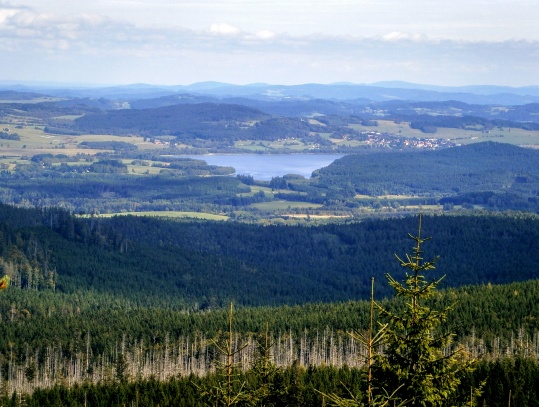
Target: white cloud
{"type": "Point", "coordinates": [265, 34]}
{"type": "Point", "coordinates": [224, 29]}
{"type": "Point", "coordinates": [458, 19]}
{"type": "Point", "coordinates": [250, 50]}
{"type": "Point", "coordinates": [88, 31]}
{"type": "Point", "coordinates": [400, 36]}
{"type": "Point", "coordinates": [7, 13]}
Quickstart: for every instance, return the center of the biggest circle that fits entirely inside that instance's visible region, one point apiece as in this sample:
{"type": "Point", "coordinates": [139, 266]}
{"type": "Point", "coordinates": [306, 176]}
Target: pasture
{"type": "Point", "coordinates": [284, 205]}
{"type": "Point", "coordinates": [508, 135]}
{"type": "Point", "coordinates": [166, 214]}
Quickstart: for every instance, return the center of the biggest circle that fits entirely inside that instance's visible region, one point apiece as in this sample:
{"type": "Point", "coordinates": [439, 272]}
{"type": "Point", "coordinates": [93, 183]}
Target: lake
{"type": "Point", "coordinates": [266, 166]}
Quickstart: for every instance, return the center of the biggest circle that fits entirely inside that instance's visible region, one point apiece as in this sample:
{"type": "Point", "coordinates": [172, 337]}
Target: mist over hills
{"type": "Point", "coordinates": [476, 89]}
{"type": "Point", "coordinates": [426, 106]}
{"type": "Point", "coordinates": [380, 91]}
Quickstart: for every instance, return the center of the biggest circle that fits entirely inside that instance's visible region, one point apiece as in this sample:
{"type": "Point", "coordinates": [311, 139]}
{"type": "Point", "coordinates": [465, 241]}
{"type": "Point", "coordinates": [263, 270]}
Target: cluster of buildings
{"type": "Point", "coordinates": [398, 142]}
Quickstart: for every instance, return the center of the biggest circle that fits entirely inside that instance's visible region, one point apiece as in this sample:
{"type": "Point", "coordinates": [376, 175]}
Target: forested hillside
{"type": "Point", "coordinates": [483, 167]}
{"type": "Point", "coordinates": [108, 349]}
{"type": "Point", "coordinates": [131, 301]}
{"type": "Point", "coordinates": [201, 123]}
{"type": "Point", "coordinates": [490, 319]}
{"type": "Point", "coordinates": [212, 263]}
{"type": "Point", "coordinates": [173, 119]}
{"type": "Point", "coordinates": [109, 188]}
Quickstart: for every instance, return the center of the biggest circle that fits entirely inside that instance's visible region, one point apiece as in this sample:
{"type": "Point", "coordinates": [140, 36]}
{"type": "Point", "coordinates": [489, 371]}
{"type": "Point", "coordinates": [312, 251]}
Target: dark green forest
{"type": "Point", "coordinates": [213, 263]}
{"type": "Point", "coordinates": [481, 167]}
{"type": "Point", "coordinates": [123, 310]}
{"type": "Point", "coordinates": [106, 188]}
{"type": "Point", "coordinates": [509, 381]}
{"type": "Point", "coordinates": [492, 319]}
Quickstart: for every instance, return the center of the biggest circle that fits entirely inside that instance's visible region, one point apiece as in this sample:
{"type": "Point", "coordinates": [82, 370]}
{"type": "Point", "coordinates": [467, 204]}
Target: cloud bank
{"type": "Point", "coordinates": [74, 46]}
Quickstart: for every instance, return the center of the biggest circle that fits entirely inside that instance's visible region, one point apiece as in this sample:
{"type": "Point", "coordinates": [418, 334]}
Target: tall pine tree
{"type": "Point", "coordinates": [229, 390]}
{"type": "Point", "coordinates": [418, 365]}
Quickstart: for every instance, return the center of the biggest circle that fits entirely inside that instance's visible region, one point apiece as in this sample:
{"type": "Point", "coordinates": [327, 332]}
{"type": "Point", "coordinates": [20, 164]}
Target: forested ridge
{"type": "Point", "coordinates": [56, 337]}
{"type": "Point", "coordinates": [196, 120]}
{"type": "Point", "coordinates": [110, 191]}
{"type": "Point", "coordinates": [69, 321]}
{"type": "Point", "coordinates": [132, 305]}
{"type": "Point", "coordinates": [110, 348]}
{"type": "Point", "coordinates": [488, 166]}
{"type": "Point", "coordinates": [213, 263]}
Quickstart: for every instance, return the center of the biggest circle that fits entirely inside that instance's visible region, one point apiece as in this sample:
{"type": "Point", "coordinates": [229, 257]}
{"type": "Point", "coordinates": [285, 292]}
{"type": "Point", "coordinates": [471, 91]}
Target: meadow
{"type": "Point", "coordinates": [507, 135]}
{"type": "Point", "coordinates": [166, 214]}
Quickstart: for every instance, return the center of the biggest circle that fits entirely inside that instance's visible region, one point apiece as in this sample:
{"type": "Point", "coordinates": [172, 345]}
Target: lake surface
{"type": "Point", "coordinates": [266, 166]}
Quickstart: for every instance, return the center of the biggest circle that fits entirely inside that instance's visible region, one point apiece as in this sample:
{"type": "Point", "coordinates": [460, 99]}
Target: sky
{"type": "Point", "coordinates": [180, 42]}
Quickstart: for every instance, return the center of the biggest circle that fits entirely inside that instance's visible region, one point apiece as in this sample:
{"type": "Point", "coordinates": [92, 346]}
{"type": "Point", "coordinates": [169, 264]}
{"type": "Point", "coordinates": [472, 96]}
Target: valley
{"type": "Point", "coordinates": [153, 307]}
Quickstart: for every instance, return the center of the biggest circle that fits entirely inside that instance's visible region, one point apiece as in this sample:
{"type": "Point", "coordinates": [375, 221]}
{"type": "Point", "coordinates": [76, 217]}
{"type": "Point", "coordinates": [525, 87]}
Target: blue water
{"type": "Point", "coordinates": [266, 166]}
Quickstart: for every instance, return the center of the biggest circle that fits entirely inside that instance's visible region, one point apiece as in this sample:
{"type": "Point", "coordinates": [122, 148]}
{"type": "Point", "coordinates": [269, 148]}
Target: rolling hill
{"type": "Point", "coordinates": [480, 167]}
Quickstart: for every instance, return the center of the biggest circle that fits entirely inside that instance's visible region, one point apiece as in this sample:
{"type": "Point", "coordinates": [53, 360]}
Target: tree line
{"type": "Point", "coordinates": [208, 264]}
{"type": "Point", "coordinates": [410, 360]}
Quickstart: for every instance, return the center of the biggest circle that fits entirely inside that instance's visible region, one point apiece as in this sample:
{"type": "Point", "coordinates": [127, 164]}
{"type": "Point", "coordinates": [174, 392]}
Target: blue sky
{"type": "Point", "coordinates": [462, 42]}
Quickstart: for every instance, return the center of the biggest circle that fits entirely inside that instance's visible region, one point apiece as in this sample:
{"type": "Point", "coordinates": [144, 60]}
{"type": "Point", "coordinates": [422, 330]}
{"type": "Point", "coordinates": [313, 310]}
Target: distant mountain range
{"type": "Point", "coordinates": [214, 110]}
{"type": "Point", "coordinates": [380, 91]}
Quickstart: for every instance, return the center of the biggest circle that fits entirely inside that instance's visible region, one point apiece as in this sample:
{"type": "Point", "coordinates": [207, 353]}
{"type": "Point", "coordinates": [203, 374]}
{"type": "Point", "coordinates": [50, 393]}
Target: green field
{"type": "Point", "coordinates": [168, 214]}
{"type": "Point", "coordinates": [256, 189]}
{"type": "Point", "coordinates": [34, 140]}
{"type": "Point", "coordinates": [284, 205]}
{"type": "Point", "coordinates": [460, 136]}
{"type": "Point", "coordinates": [269, 191]}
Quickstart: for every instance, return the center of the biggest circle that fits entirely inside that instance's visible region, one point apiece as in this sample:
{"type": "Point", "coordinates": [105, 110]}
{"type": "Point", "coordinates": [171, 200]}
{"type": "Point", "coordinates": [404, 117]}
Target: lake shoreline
{"type": "Point", "coordinates": [264, 167]}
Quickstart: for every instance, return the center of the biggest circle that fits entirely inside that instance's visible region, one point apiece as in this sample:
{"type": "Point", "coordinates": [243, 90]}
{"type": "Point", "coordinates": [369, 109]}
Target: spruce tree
{"type": "Point", "coordinates": [264, 389]}
{"type": "Point", "coordinates": [229, 390]}
{"type": "Point", "coordinates": [371, 341]}
{"type": "Point", "coordinates": [418, 365]}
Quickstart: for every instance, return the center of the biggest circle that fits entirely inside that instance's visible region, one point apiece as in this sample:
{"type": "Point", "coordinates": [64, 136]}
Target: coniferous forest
{"type": "Point", "coordinates": [134, 311]}
{"type": "Point", "coordinates": [405, 273]}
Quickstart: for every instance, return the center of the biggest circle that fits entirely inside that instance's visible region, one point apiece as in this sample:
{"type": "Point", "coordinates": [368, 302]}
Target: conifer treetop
{"type": "Point", "coordinates": [418, 363]}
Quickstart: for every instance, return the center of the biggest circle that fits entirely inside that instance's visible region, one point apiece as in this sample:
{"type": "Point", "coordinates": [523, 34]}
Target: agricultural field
{"type": "Point", "coordinates": [167, 214]}
{"type": "Point", "coordinates": [256, 189]}
{"type": "Point", "coordinates": [291, 145]}
{"type": "Point", "coordinates": [34, 140]}
{"type": "Point", "coordinates": [507, 135]}
{"type": "Point", "coordinates": [284, 205]}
